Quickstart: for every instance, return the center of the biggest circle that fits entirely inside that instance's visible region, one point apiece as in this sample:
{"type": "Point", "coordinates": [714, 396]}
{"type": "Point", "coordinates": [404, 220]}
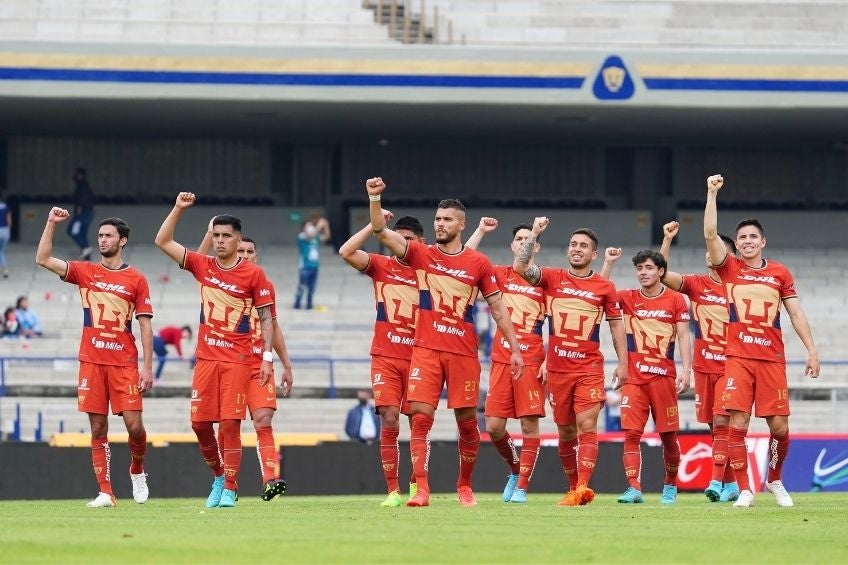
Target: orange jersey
{"type": "Point", "coordinates": [447, 288]}
{"type": "Point", "coordinates": [526, 306]}
{"type": "Point", "coordinates": [257, 346]}
{"type": "Point", "coordinates": [227, 297]}
{"type": "Point", "coordinates": [110, 300]}
{"type": "Point", "coordinates": [576, 306]}
{"type": "Point", "coordinates": [755, 296]}
{"type": "Point", "coordinates": [651, 326]}
{"type": "Point", "coordinates": [709, 307]}
{"type": "Point", "coordinates": [396, 295]}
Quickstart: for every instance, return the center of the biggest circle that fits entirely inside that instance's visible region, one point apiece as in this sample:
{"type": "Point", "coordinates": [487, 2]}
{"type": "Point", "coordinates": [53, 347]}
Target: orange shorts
{"type": "Point", "coordinates": [708, 389]}
{"type": "Point", "coordinates": [388, 382]}
{"type": "Point", "coordinates": [514, 398]}
{"type": "Point", "coordinates": [259, 396]}
{"type": "Point", "coordinates": [101, 385]}
{"type": "Point", "coordinates": [219, 391]}
{"type": "Point", "coordinates": [430, 370]}
{"type": "Point", "coordinates": [754, 382]}
{"type": "Point", "coordinates": [659, 397]}
{"type": "Point", "coordinates": [572, 393]}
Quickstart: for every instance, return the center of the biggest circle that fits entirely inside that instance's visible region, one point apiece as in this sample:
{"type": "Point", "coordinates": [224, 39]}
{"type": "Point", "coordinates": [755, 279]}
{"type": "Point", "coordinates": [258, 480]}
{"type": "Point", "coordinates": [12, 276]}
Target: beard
{"type": "Point", "coordinates": [575, 265]}
{"type": "Point", "coordinates": [110, 252]}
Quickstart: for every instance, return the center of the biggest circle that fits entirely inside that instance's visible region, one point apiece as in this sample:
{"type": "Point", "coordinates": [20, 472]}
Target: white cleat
{"type": "Point", "coordinates": [780, 493]}
{"type": "Point", "coordinates": [103, 500]}
{"type": "Point", "coordinates": [745, 500]}
{"type": "Point", "coordinates": [139, 486]}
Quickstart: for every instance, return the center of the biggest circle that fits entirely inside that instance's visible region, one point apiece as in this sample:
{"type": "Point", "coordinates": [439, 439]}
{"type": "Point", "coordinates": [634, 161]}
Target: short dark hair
{"type": "Point", "coordinates": [187, 329]}
{"type": "Point", "coordinates": [654, 256]}
{"type": "Point", "coordinates": [20, 299]}
{"type": "Point", "coordinates": [452, 203]}
{"type": "Point", "coordinates": [248, 239]}
{"type": "Point", "coordinates": [517, 228]}
{"type": "Point", "coordinates": [588, 233]}
{"type": "Point", "coordinates": [120, 225]}
{"type": "Point", "coordinates": [728, 242]}
{"type": "Point", "coordinates": [410, 223]}
{"type": "Point", "coordinates": [751, 222]}
{"type": "Point", "coordinates": [227, 220]}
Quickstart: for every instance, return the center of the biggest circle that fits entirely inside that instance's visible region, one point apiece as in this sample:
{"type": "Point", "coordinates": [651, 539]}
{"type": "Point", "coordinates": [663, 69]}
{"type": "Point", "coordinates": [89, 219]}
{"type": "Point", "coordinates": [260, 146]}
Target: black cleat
{"type": "Point", "coordinates": [273, 488]}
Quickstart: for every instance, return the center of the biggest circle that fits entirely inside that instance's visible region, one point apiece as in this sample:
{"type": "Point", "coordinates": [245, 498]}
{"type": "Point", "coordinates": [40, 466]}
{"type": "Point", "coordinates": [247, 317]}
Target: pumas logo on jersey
{"type": "Point", "coordinates": [522, 289]}
{"type": "Point", "coordinates": [214, 281]}
{"type": "Point", "coordinates": [458, 273]}
{"type": "Point", "coordinates": [754, 339]}
{"type": "Point", "coordinates": [578, 293]}
{"type": "Point", "coordinates": [653, 314]}
{"type": "Point", "coordinates": [110, 287]}
{"type": "Point", "coordinates": [752, 278]}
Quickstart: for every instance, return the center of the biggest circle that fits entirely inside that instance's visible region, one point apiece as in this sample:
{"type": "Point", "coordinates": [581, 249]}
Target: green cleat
{"type": "Point", "coordinates": [392, 501]}
{"type": "Point", "coordinates": [273, 488]}
{"type": "Point", "coordinates": [413, 489]}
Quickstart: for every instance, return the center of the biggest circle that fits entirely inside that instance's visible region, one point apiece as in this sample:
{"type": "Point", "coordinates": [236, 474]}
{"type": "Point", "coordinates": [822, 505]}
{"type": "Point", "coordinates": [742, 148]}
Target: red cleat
{"type": "Point", "coordinates": [571, 498]}
{"type": "Point", "coordinates": [421, 498]}
{"type": "Point", "coordinates": [587, 495]}
{"type": "Point", "coordinates": [466, 496]}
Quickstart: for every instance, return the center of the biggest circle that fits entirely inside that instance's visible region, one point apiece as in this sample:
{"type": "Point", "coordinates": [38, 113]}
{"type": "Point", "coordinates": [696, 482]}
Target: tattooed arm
{"type": "Point", "coordinates": [523, 263]}
{"type": "Point", "coordinates": [266, 372]}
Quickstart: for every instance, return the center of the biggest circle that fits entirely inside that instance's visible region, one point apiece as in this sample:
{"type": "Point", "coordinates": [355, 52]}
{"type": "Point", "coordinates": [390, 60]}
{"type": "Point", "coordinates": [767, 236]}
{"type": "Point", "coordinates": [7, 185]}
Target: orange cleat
{"type": "Point", "coordinates": [466, 496]}
{"type": "Point", "coordinates": [571, 498]}
{"type": "Point", "coordinates": [421, 498]}
{"type": "Point", "coordinates": [587, 495]}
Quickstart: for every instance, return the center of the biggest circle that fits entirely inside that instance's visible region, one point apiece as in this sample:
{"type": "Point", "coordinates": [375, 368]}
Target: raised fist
{"type": "Point", "coordinates": [612, 254]}
{"type": "Point", "coordinates": [488, 224]}
{"type": "Point", "coordinates": [185, 199]}
{"type": "Point", "coordinates": [387, 215]}
{"type": "Point", "coordinates": [714, 183]}
{"type": "Point", "coordinates": [540, 224]}
{"type": "Point", "coordinates": [375, 186]}
{"type": "Point", "coordinates": [670, 229]}
{"type": "Point", "coordinates": [57, 215]}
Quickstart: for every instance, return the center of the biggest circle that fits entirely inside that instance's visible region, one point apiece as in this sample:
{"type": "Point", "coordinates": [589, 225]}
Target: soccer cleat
{"type": "Point", "coordinates": [421, 498]}
{"type": "Point", "coordinates": [745, 500]}
{"type": "Point", "coordinates": [780, 493]}
{"type": "Point", "coordinates": [215, 495]}
{"type": "Point", "coordinates": [139, 487]}
{"type": "Point", "coordinates": [466, 496]}
{"type": "Point", "coordinates": [103, 500]}
{"type": "Point", "coordinates": [511, 481]}
{"type": "Point", "coordinates": [571, 498]}
{"type": "Point", "coordinates": [669, 495]}
{"type": "Point", "coordinates": [228, 499]}
{"type": "Point", "coordinates": [729, 492]}
{"type": "Point", "coordinates": [392, 501]}
{"type": "Point", "coordinates": [273, 488]}
{"type": "Point", "coordinates": [631, 496]}
{"type": "Point", "coordinates": [713, 491]}
{"type": "Point", "coordinates": [519, 496]}
{"type": "Point", "coordinates": [413, 489]}
{"type": "Point", "coordinates": [587, 495]}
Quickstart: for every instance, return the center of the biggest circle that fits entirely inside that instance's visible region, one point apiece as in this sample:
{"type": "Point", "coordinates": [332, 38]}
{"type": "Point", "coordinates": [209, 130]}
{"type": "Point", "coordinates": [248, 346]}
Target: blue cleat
{"type": "Point", "coordinates": [519, 496]}
{"type": "Point", "coordinates": [228, 499]}
{"type": "Point", "coordinates": [215, 496]}
{"type": "Point", "coordinates": [669, 495]}
{"type": "Point", "coordinates": [713, 492]}
{"type": "Point", "coordinates": [631, 496]}
{"type": "Point", "coordinates": [511, 481]}
{"type": "Point", "coordinates": [729, 492]}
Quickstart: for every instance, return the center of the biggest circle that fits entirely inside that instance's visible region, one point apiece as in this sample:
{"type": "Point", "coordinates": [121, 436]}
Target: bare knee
{"type": "Point", "coordinates": [778, 425]}
{"type": "Point", "coordinates": [739, 420]}
{"type": "Point", "coordinates": [530, 426]}
{"type": "Point", "coordinates": [495, 427]}
{"type": "Point", "coordinates": [389, 417]}
{"type": "Point", "coordinates": [262, 418]}
{"type": "Point", "coordinates": [567, 433]}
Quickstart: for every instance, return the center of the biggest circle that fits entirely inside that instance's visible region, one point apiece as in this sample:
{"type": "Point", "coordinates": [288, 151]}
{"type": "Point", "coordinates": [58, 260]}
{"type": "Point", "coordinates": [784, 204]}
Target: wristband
{"type": "Point", "coordinates": [374, 197]}
{"type": "Point", "coordinates": [268, 356]}
{"type": "Point", "coordinates": [379, 230]}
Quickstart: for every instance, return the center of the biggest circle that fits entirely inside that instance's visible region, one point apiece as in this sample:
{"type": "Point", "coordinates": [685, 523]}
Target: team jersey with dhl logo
{"type": "Point", "coordinates": [110, 300]}
{"type": "Point", "coordinates": [227, 297]}
{"type": "Point", "coordinates": [576, 306]}
{"type": "Point", "coordinates": [526, 306]}
{"type": "Point", "coordinates": [651, 326]}
{"type": "Point", "coordinates": [709, 308]}
{"type": "Point", "coordinates": [396, 295]}
{"type": "Point", "coordinates": [257, 345]}
{"type": "Point", "coordinates": [447, 288]}
{"type": "Point", "coordinates": [754, 297]}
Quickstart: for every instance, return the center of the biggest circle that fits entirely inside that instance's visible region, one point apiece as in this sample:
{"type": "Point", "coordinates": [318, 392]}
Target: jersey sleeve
{"type": "Point", "coordinates": [262, 291]}
{"type": "Point", "coordinates": [194, 262]}
{"type": "Point", "coordinates": [75, 272]}
{"type": "Point", "coordinates": [488, 282]}
{"type": "Point", "coordinates": [787, 287]}
{"type": "Point", "coordinates": [681, 309]}
{"type": "Point", "coordinates": [371, 268]}
{"type": "Point", "coordinates": [143, 307]}
{"type": "Point", "coordinates": [544, 278]}
{"type": "Point", "coordinates": [414, 253]}
{"type": "Point", "coordinates": [612, 306]}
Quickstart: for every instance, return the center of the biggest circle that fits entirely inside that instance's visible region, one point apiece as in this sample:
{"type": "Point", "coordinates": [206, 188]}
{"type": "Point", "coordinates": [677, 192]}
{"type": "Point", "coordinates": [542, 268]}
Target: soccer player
{"type": "Point", "coordinates": [112, 294]}
{"type": "Point", "coordinates": [522, 398]}
{"type": "Point", "coordinates": [445, 351]}
{"type": "Point", "coordinates": [261, 399]}
{"type": "Point", "coordinates": [756, 365]}
{"type": "Point", "coordinates": [396, 296]}
{"type": "Point", "coordinates": [230, 287]}
{"type": "Point", "coordinates": [709, 307]}
{"type": "Point", "coordinates": [577, 299]}
{"type": "Point", "coordinates": [654, 317]}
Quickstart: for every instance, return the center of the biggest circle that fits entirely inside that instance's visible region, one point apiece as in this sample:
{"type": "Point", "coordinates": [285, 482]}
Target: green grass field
{"type": "Point", "coordinates": [355, 529]}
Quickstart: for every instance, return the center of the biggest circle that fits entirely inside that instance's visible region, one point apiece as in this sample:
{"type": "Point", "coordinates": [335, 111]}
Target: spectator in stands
{"type": "Point", "coordinates": [362, 422]}
{"type": "Point", "coordinates": [314, 232]}
{"type": "Point", "coordinates": [83, 213]}
{"type": "Point", "coordinates": [28, 323]}
{"type": "Point", "coordinates": [10, 323]}
{"type": "Point", "coordinates": [5, 227]}
{"type": "Point", "coordinates": [169, 335]}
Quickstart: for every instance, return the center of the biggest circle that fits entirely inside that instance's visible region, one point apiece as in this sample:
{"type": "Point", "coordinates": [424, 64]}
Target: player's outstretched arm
{"type": "Point", "coordinates": [611, 255]}
{"type": "Point", "coordinates": [715, 246]}
{"type": "Point", "coordinates": [619, 343]}
{"type": "Point", "coordinates": [165, 237]}
{"type": "Point", "coordinates": [391, 240]}
{"type": "Point", "coordinates": [266, 324]}
{"type": "Point", "coordinates": [500, 315]}
{"type": "Point", "coordinates": [206, 242]}
{"type": "Point", "coordinates": [487, 225]}
{"type": "Point", "coordinates": [672, 280]}
{"type": "Point", "coordinates": [145, 374]}
{"type": "Point", "coordinates": [351, 250]}
{"type": "Point", "coordinates": [44, 253]}
{"type": "Point", "coordinates": [287, 378]}
{"type": "Point", "coordinates": [683, 342]}
{"type": "Point", "coordinates": [802, 328]}
{"type": "Point", "coordinates": [523, 263]}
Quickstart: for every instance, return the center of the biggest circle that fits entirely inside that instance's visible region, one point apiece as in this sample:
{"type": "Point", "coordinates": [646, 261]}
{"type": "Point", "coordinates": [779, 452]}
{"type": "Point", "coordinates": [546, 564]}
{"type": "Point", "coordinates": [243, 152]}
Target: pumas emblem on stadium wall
{"type": "Point", "coordinates": [613, 81]}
